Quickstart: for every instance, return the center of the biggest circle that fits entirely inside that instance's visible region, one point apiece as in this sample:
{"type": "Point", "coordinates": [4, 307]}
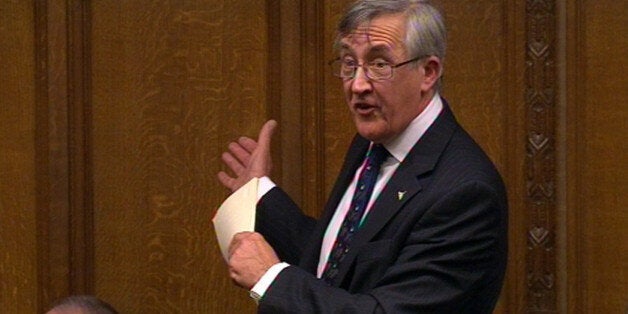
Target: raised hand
{"type": "Point", "coordinates": [247, 158]}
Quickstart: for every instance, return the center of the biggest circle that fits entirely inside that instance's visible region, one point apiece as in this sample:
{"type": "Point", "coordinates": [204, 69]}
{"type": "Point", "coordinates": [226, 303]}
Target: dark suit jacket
{"type": "Point", "coordinates": [442, 248]}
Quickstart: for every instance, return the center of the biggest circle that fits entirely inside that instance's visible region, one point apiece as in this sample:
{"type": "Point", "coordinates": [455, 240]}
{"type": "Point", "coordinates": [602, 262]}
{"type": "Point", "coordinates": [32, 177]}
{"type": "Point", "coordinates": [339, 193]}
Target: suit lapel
{"type": "Point", "coordinates": [405, 183]}
{"type": "Point", "coordinates": [353, 160]}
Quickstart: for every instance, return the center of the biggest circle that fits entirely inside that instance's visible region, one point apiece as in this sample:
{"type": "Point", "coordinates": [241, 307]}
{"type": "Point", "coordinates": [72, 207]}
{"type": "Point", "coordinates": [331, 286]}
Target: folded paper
{"type": "Point", "coordinates": [236, 214]}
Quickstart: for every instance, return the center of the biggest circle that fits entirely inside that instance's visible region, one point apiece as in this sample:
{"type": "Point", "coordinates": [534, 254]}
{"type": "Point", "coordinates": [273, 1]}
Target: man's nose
{"type": "Point", "coordinates": [361, 83]}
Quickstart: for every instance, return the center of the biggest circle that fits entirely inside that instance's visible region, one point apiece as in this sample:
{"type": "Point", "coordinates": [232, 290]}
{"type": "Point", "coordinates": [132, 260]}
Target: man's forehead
{"type": "Point", "coordinates": [376, 33]}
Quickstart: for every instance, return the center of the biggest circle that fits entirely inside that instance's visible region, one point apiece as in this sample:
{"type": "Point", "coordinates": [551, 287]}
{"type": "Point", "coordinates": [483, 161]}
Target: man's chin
{"type": "Point", "coordinates": [371, 130]}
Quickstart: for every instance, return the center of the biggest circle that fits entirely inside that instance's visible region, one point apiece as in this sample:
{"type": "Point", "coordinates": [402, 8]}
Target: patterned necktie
{"type": "Point", "coordinates": [352, 220]}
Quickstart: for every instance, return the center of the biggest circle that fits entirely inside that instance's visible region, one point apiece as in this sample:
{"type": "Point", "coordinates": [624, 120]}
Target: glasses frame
{"type": "Point", "coordinates": [366, 72]}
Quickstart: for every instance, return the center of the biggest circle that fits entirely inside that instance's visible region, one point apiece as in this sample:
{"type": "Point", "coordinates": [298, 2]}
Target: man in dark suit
{"type": "Point", "coordinates": [426, 233]}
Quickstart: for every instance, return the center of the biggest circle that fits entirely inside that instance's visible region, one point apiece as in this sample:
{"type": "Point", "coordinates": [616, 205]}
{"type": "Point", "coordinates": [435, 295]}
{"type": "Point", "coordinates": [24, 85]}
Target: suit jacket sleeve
{"type": "Point", "coordinates": [283, 225]}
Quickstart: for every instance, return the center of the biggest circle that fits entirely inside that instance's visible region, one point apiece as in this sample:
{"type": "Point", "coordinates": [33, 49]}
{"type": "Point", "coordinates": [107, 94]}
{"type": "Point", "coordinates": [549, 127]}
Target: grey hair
{"type": "Point", "coordinates": [87, 303]}
{"type": "Point", "coordinates": [426, 34]}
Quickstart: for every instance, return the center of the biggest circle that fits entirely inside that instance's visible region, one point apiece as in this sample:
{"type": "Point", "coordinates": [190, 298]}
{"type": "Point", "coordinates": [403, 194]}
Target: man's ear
{"type": "Point", "coordinates": [432, 68]}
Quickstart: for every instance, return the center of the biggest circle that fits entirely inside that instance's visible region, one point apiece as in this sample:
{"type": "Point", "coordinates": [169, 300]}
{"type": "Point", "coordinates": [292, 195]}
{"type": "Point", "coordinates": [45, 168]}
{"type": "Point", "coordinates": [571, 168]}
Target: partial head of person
{"type": "Point", "coordinates": [390, 60]}
{"type": "Point", "coordinates": [82, 304]}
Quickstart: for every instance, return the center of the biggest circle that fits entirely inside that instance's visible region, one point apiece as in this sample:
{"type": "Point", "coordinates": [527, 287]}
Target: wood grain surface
{"type": "Point", "coordinates": [113, 116]}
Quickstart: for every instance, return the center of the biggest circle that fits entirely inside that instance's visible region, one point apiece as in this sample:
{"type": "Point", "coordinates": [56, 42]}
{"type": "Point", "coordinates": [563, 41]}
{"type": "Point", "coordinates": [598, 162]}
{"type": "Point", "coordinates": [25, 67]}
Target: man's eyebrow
{"type": "Point", "coordinates": [345, 46]}
{"type": "Point", "coordinates": [381, 48]}
{"type": "Point", "coordinates": [384, 49]}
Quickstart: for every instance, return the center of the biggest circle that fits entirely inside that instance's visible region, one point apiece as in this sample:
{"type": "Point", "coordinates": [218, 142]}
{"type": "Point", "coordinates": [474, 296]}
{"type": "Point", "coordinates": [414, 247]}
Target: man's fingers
{"type": "Point", "coordinates": [240, 152]}
{"type": "Point", "coordinates": [248, 143]}
{"type": "Point", "coordinates": [237, 240]}
{"type": "Point", "coordinates": [227, 181]}
{"type": "Point", "coordinates": [234, 164]}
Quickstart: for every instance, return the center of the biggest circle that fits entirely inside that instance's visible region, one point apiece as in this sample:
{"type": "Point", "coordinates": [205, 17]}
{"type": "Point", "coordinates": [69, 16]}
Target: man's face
{"type": "Point", "coordinates": [381, 110]}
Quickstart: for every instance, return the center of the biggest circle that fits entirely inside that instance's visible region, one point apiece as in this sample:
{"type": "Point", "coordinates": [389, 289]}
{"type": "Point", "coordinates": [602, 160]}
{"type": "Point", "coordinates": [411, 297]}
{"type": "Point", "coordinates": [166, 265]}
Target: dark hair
{"type": "Point", "coordinates": [91, 304]}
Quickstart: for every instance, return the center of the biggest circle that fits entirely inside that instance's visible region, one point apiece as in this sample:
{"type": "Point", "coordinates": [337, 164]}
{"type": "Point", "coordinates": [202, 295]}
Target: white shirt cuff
{"type": "Point", "coordinates": [258, 291]}
{"type": "Point", "coordinates": [263, 186]}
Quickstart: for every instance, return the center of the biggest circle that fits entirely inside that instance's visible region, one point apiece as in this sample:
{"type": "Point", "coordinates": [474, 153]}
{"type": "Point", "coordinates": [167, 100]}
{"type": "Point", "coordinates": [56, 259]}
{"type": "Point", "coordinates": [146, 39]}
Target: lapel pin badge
{"type": "Point", "coordinates": [401, 194]}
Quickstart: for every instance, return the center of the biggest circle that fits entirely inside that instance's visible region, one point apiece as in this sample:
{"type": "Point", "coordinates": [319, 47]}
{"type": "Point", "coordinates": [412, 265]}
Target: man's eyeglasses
{"type": "Point", "coordinates": [376, 70]}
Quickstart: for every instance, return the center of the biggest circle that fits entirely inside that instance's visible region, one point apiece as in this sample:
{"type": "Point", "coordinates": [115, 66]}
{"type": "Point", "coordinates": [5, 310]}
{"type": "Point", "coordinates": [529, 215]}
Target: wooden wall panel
{"type": "Point", "coordinates": [173, 83]}
{"type": "Point", "coordinates": [482, 81]}
{"type": "Point", "coordinates": [312, 87]}
{"type": "Point", "coordinates": [114, 115]}
{"type": "Point", "coordinates": [597, 175]}
{"type": "Point", "coordinates": [477, 72]}
{"type": "Point", "coordinates": [18, 233]}
{"type": "Point", "coordinates": [53, 152]}
{"type": "Point", "coordinates": [338, 128]}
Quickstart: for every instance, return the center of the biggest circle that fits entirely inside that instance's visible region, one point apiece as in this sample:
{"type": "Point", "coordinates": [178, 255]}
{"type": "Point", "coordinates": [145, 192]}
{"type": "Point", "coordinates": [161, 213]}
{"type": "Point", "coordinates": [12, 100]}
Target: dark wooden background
{"type": "Point", "coordinates": [113, 115]}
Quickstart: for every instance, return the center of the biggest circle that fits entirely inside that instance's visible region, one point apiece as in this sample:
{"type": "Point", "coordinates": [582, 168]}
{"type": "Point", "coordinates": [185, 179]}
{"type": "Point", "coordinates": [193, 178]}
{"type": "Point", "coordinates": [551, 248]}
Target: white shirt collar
{"type": "Point", "coordinates": [400, 146]}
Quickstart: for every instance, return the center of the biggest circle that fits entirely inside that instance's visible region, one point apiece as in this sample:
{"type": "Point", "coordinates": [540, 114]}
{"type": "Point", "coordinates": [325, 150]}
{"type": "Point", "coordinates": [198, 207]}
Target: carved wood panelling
{"type": "Point", "coordinates": [540, 92]}
{"type": "Point", "coordinates": [114, 115]}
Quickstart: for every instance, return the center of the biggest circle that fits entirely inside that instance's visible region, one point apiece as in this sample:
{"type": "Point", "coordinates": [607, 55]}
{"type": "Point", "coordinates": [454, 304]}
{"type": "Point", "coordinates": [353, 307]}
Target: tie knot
{"type": "Point", "coordinates": [377, 154]}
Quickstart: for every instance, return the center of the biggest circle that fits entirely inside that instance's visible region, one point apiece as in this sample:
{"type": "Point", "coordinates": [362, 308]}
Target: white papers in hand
{"type": "Point", "coordinates": [236, 214]}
